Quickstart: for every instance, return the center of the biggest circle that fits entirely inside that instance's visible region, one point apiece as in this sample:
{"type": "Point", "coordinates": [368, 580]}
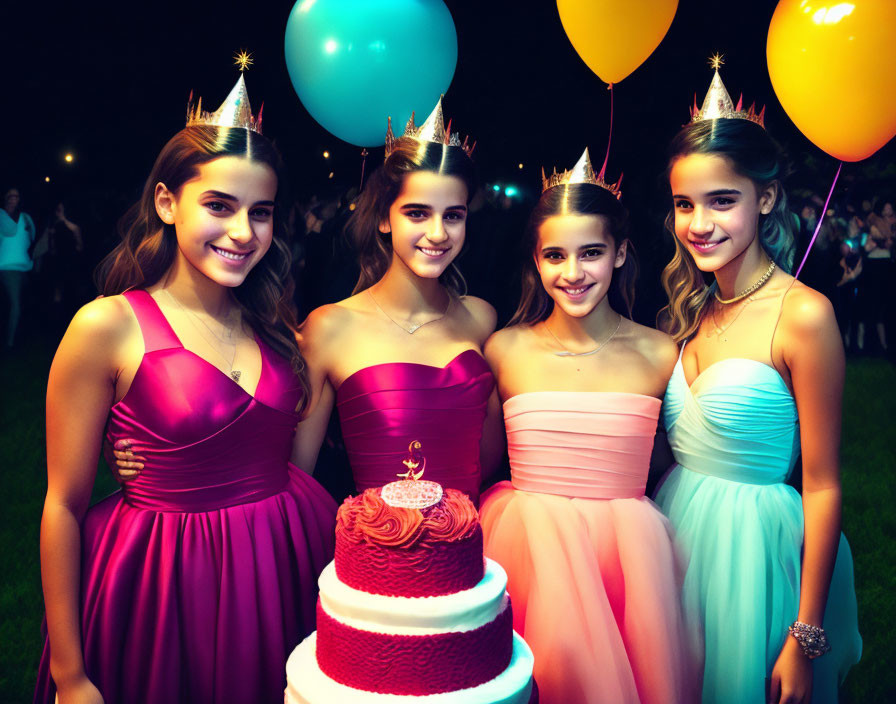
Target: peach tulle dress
{"type": "Point", "coordinates": [593, 576]}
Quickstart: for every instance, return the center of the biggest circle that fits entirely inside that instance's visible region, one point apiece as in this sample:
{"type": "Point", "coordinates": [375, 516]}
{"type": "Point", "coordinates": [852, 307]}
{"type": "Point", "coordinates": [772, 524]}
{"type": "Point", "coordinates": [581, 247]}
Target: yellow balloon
{"type": "Point", "coordinates": [832, 65]}
{"type": "Point", "coordinates": [614, 37]}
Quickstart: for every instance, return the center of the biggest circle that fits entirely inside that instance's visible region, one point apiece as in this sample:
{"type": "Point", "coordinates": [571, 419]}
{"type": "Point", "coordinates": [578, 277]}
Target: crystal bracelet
{"type": "Point", "coordinates": [812, 639]}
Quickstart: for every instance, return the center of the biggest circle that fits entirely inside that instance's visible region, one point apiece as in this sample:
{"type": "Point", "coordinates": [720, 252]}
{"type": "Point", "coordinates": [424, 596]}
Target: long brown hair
{"type": "Point", "coordinates": [576, 199]}
{"type": "Point", "coordinates": [751, 152]}
{"type": "Point", "coordinates": [148, 246]}
{"type": "Point", "coordinates": [408, 156]}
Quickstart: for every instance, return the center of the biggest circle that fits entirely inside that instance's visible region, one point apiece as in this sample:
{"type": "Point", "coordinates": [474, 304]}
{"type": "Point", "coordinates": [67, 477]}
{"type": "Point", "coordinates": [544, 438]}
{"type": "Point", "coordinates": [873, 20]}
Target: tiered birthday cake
{"type": "Point", "coordinates": [409, 610]}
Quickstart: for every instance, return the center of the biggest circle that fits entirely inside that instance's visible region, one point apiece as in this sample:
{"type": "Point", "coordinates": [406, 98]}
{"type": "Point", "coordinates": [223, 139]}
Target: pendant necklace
{"type": "Point", "coordinates": [745, 294]}
{"type": "Point", "coordinates": [414, 327]}
{"type": "Point", "coordinates": [234, 374]}
{"type": "Point", "coordinates": [567, 353]}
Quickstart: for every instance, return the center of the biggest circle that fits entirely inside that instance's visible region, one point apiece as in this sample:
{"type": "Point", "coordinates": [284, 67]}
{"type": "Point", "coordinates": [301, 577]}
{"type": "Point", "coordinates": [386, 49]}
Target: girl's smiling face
{"type": "Point", "coordinates": [716, 209]}
{"type": "Point", "coordinates": [224, 217]}
{"type": "Point", "coordinates": [575, 257]}
{"type": "Point", "coordinates": [428, 222]}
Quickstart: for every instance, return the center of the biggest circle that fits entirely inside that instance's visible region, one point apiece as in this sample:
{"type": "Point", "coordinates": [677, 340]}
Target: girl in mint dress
{"type": "Point", "coordinates": [769, 583]}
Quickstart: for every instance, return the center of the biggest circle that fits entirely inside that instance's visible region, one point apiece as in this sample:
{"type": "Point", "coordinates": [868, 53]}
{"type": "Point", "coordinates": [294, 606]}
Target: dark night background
{"type": "Point", "coordinates": [109, 83]}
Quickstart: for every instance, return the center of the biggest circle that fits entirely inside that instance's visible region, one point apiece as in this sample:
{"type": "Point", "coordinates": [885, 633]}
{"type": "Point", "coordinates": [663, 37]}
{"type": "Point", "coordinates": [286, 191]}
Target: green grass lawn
{"type": "Point", "coordinates": [869, 519]}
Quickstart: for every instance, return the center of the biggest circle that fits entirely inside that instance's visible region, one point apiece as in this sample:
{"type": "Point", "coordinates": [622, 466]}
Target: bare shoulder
{"type": "Point", "coordinates": [324, 325]}
{"type": "Point", "coordinates": [483, 314]}
{"type": "Point", "coordinates": [99, 335]}
{"type": "Point", "coordinates": [104, 321]}
{"type": "Point", "coordinates": [807, 312]}
{"type": "Point", "coordinates": [501, 344]}
{"type": "Point", "coordinates": [656, 346]}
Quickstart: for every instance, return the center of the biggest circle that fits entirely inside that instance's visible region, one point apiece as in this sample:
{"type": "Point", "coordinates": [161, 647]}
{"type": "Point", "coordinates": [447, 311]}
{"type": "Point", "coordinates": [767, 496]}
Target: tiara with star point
{"type": "Point", "coordinates": [432, 130]}
{"type": "Point", "coordinates": [718, 104]}
{"type": "Point", "coordinates": [235, 111]}
{"type": "Point", "coordinates": [582, 172]}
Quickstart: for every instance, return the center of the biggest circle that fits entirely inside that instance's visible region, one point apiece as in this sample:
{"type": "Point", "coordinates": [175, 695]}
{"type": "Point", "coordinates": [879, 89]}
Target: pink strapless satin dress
{"type": "Point", "coordinates": [385, 407]}
{"type": "Point", "coordinates": [593, 576]}
{"type": "Point", "coordinates": [199, 577]}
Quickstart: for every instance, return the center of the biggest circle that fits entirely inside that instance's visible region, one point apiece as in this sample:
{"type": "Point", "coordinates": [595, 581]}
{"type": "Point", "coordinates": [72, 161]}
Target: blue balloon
{"type": "Point", "coordinates": [354, 63]}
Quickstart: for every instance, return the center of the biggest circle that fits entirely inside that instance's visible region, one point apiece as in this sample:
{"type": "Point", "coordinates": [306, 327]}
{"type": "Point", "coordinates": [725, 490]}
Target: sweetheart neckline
{"type": "Point", "coordinates": [413, 364]}
{"type": "Point", "coordinates": [690, 387]}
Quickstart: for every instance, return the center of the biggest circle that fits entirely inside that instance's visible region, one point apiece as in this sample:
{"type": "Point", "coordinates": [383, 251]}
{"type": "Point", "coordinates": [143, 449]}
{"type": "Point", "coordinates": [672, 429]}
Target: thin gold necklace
{"type": "Point", "coordinates": [414, 327]}
{"type": "Point", "coordinates": [760, 282]}
{"type": "Point", "coordinates": [568, 353]}
{"type": "Point", "coordinates": [235, 374]}
{"type": "Point", "coordinates": [719, 331]}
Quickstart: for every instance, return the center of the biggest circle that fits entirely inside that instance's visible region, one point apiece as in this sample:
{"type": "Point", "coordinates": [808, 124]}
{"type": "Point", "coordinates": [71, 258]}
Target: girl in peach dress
{"type": "Point", "coordinates": [593, 576]}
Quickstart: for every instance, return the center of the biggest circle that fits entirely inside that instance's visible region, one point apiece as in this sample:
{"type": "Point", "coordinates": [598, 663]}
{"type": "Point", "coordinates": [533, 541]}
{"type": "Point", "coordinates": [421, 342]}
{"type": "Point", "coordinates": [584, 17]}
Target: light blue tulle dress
{"type": "Point", "coordinates": [735, 436]}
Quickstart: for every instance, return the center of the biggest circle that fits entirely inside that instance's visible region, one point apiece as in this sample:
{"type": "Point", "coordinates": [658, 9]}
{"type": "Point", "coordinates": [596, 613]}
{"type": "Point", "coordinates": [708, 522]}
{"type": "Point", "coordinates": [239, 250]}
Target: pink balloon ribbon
{"type": "Point", "coordinates": [818, 226]}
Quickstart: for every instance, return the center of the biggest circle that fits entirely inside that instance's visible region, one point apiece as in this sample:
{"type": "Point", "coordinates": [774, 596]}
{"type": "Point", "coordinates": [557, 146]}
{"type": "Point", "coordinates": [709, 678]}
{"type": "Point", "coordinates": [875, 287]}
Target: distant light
{"type": "Point", "coordinates": [496, 188]}
{"type": "Point", "coordinates": [520, 165]}
{"type": "Point", "coordinates": [511, 191]}
{"type": "Point", "coordinates": [326, 154]}
{"type": "Point", "coordinates": [69, 158]}
{"type": "Point", "coordinates": [47, 179]}
{"type": "Point", "coordinates": [331, 175]}
{"type": "Point", "coordinates": [352, 206]}
{"type": "Point", "coordinates": [331, 46]}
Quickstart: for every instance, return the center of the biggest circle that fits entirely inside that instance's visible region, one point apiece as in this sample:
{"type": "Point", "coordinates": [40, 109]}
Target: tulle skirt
{"type": "Point", "coordinates": [199, 607]}
{"type": "Point", "coordinates": [743, 546]}
{"type": "Point", "coordinates": [595, 587]}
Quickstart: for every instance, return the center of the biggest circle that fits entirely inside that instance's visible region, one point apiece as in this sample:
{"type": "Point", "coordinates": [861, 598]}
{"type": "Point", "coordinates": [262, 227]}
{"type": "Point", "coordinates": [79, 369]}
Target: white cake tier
{"type": "Point", "coordinates": [306, 684]}
{"type": "Point", "coordinates": [415, 616]}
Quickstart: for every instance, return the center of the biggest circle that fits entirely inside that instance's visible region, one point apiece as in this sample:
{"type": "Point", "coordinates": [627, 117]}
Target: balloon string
{"type": "Point", "coordinates": [603, 169]}
{"type": "Point", "coordinates": [363, 164]}
{"type": "Point", "coordinates": [818, 226]}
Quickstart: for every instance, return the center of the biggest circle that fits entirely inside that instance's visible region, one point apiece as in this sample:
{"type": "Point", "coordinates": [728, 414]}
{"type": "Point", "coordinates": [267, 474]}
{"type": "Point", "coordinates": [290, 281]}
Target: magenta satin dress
{"type": "Point", "coordinates": [592, 572]}
{"type": "Point", "coordinates": [199, 577]}
{"type": "Point", "coordinates": [383, 408]}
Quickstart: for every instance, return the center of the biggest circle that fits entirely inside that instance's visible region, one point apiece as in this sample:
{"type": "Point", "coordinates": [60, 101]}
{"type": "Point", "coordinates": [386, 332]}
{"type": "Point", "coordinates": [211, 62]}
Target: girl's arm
{"type": "Point", "coordinates": [316, 336]}
{"type": "Point", "coordinates": [813, 352]}
{"type": "Point", "coordinates": [79, 395]}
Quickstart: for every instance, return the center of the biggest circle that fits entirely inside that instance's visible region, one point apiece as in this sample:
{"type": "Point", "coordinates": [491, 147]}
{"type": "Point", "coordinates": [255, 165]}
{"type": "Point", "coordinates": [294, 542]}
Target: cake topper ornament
{"type": "Point", "coordinates": [582, 172]}
{"type": "Point", "coordinates": [432, 130]}
{"type": "Point", "coordinates": [411, 491]}
{"type": "Point", "coordinates": [235, 111]}
{"type": "Point", "coordinates": [718, 104]}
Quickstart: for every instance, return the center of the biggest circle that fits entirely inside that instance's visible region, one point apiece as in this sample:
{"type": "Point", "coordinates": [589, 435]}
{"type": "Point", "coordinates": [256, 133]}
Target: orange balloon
{"type": "Point", "coordinates": [832, 65]}
{"type": "Point", "coordinates": [614, 37]}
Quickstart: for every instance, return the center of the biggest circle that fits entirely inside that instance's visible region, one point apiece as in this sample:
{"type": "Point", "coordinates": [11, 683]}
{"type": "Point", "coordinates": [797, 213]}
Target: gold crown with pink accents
{"type": "Point", "coordinates": [235, 111]}
{"type": "Point", "coordinates": [718, 104]}
{"type": "Point", "coordinates": [432, 130]}
{"type": "Point", "coordinates": [582, 172]}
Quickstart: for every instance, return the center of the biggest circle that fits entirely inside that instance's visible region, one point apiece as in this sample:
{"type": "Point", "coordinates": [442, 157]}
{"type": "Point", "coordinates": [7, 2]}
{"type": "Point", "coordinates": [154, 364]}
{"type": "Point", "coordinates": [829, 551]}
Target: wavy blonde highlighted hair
{"type": "Point", "coordinates": [751, 152]}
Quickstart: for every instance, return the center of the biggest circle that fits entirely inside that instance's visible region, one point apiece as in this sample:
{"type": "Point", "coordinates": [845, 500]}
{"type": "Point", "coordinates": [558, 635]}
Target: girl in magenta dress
{"type": "Point", "coordinates": [592, 573]}
{"type": "Point", "coordinates": [195, 582]}
{"type": "Point", "coordinates": [401, 357]}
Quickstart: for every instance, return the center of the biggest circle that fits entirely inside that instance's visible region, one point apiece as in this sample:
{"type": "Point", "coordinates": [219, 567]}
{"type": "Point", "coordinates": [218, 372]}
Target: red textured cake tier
{"type": "Point", "coordinates": [413, 664]}
{"type": "Point", "coordinates": [382, 549]}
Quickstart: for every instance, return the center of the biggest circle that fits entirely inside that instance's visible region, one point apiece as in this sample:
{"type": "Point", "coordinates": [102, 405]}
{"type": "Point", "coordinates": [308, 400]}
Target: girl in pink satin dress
{"type": "Point", "coordinates": [195, 582]}
{"type": "Point", "coordinates": [593, 576]}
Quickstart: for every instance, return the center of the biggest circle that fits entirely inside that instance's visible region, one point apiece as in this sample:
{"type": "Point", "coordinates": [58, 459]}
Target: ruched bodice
{"type": "Point", "coordinates": [207, 442]}
{"type": "Point", "coordinates": [384, 407]}
{"type": "Point", "coordinates": [738, 421]}
{"type": "Point", "coordinates": [581, 444]}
